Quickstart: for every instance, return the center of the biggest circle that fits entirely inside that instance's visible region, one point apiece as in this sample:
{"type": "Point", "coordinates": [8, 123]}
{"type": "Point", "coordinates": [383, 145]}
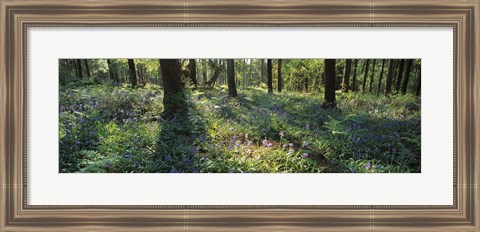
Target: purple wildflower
{"type": "Point", "coordinates": [369, 165]}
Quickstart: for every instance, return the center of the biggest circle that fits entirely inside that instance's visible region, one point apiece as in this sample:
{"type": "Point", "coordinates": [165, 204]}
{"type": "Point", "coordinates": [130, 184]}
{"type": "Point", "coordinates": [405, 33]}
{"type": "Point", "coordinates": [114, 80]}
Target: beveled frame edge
{"type": "Point", "coordinates": [15, 16]}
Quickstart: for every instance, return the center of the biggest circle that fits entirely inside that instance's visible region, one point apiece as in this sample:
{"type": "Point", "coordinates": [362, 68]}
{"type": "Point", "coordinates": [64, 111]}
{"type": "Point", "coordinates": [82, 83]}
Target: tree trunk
{"type": "Point", "coordinates": [75, 67]}
{"type": "Point", "coordinates": [269, 76]}
{"type": "Point", "coordinates": [174, 102]}
{"type": "Point", "coordinates": [381, 77]}
{"type": "Point", "coordinates": [192, 65]}
{"type": "Point", "coordinates": [346, 76]}
{"type": "Point", "coordinates": [232, 88]}
{"type": "Point", "coordinates": [110, 70]}
{"type": "Point", "coordinates": [280, 82]}
{"type": "Point", "coordinates": [133, 73]}
{"type": "Point", "coordinates": [87, 68]}
{"type": "Point", "coordinates": [211, 83]}
{"type": "Point", "coordinates": [419, 81]}
{"type": "Point", "coordinates": [330, 82]}
{"type": "Point", "coordinates": [372, 75]}
{"type": "Point", "coordinates": [354, 82]}
{"type": "Point", "coordinates": [365, 75]}
{"type": "Point", "coordinates": [204, 69]}
{"type": "Point", "coordinates": [79, 68]}
{"type": "Point", "coordinates": [407, 76]}
{"type": "Point", "coordinates": [388, 85]}
{"type": "Point", "coordinates": [399, 76]}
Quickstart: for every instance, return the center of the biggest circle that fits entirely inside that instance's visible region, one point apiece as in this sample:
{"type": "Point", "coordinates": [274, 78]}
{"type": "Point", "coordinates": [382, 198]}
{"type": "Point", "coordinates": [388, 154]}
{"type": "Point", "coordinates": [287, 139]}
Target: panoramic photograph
{"type": "Point", "coordinates": [239, 115]}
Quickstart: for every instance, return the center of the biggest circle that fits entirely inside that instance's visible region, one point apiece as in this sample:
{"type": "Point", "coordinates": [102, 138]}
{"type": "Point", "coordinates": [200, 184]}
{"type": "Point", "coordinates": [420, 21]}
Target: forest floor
{"type": "Point", "coordinates": [118, 129]}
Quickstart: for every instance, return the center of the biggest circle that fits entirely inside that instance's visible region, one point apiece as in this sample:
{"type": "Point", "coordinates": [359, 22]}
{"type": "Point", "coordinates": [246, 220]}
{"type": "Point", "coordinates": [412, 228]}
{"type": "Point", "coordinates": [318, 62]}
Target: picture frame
{"type": "Point", "coordinates": [17, 16]}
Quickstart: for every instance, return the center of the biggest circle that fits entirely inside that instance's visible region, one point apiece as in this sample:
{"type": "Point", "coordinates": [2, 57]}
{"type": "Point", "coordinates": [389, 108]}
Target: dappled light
{"type": "Point", "coordinates": [118, 120]}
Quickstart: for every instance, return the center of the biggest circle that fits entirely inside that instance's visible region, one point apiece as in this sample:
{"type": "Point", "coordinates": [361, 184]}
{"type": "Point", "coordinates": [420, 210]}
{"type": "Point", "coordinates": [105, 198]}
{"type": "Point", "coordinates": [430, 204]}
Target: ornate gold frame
{"type": "Point", "coordinates": [17, 16]}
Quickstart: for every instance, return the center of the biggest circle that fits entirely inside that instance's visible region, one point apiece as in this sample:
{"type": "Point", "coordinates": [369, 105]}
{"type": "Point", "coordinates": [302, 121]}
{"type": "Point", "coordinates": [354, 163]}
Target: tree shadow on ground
{"type": "Point", "coordinates": [179, 142]}
{"type": "Point", "coordinates": [362, 136]}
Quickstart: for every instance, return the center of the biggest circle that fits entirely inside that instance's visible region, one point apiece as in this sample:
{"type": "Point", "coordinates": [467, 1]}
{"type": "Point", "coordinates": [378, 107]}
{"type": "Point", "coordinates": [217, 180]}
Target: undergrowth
{"type": "Point", "coordinates": [105, 128]}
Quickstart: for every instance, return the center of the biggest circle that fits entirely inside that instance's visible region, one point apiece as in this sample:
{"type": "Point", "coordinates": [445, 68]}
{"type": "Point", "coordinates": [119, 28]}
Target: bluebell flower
{"type": "Point", "coordinates": [396, 134]}
{"type": "Point", "coordinates": [369, 165]}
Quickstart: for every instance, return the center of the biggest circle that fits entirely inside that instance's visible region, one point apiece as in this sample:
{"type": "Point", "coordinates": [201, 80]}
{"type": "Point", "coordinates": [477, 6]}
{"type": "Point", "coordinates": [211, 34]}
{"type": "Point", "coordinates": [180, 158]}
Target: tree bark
{"type": "Point", "coordinates": [399, 76]}
{"type": "Point", "coordinates": [232, 88]}
{"type": "Point", "coordinates": [216, 72]}
{"type": "Point", "coordinates": [110, 70]}
{"type": "Point", "coordinates": [192, 65]}
{"type": "Point", "coordinates": [204, 69]}
{"type": "Point", "coordinates": [407, 76]}
{"type": "Point", "coordinates": [365, 75]}
{"type": "Point", "coordinates": [269, 76]}
{"type": "Point", "coordinates": [330, 82]}
{"type": "Point", "coordinates": [87, 68]}
{"type": "Point", "coordinates": [388, 85]}
{"type": "Point", "coordinates": [346, 76]}
{"type": "Point", "coordinates": [280, 82]}
{"type": "Point", "coordinates": [372, 75]}
{"type": "Point", "coordinates": [133, 73]}
{"type": "Point", "coordinates": [381, 77]}
{"type": "Point", "coordinates": [354, 82]}
{"type": "Point", "coordinates": [79, 68]}
{"type": "Point", "coordinates": [174, 102]}
{"type": "Point", "coordinates": [419, 81]}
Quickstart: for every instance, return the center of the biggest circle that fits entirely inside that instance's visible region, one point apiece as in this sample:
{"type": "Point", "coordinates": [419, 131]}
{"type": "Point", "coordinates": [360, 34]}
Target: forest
{"type": "Point", "coordinates": [239, 115]}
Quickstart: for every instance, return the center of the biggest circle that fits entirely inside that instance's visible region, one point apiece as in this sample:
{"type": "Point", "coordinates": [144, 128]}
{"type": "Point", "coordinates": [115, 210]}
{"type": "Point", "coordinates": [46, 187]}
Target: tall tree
{"type": "Point", "coordinates": [365, 75]}
{"type": "Point", "coordinates": [205, 78]}
{"type": "Point", "coordinates": [87, 68]}
{"type": "Point", "coordinates": [133, 73]}
{"type": "Point", "coordinates": [280, 82]}
{"type": "Point", "coordinates": [111, 70]}
{"type": "Point", "coordinates": [400, 74]}
{"type": "Point", "coordinates": [218, 68]}
{"type": "Point", "coordinates": [329, 82]}
{"type": "Point", "coordinates": [381, 77]}
{"type": "Point", "coordinates": [192, 65]}
{"type": "Point", "coordinates": [79, 67]}
{"type": "Point", "coordinates": [232, 88]}
{"type": "Point", "coordinates": [388, 85]}
{"type": "Point", "coordinates": [407, 76]}
{"type": "Point", "coordinates": [269, 76]}
{"type": "Point", "coordinates": [354, 82]}
{"type": "Point", "coordinates": [174, 102]}
{"type": "Point", "coordinates": [346, 76]}
{"type": "Point", "coordinates": [418, 87]}
{"type": "Point", "coordinates": [372, 75]}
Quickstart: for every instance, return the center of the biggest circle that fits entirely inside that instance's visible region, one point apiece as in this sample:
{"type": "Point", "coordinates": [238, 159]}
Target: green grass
{"type": "Point", "coordinates": [106, 128]}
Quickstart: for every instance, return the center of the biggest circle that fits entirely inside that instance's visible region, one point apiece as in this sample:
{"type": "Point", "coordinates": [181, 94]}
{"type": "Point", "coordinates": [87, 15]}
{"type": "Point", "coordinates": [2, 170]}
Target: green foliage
{"type": "Point", "coordinates": [105, 128]}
